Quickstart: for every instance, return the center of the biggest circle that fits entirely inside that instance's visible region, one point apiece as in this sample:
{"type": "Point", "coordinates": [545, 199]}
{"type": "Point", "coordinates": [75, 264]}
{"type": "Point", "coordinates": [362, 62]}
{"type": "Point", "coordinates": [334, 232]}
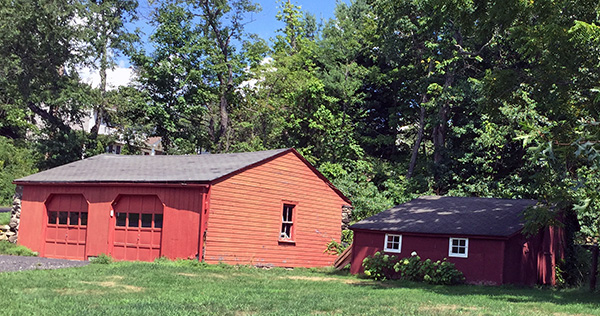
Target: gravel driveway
{"type": "Point", "coordinates": [18, 263]}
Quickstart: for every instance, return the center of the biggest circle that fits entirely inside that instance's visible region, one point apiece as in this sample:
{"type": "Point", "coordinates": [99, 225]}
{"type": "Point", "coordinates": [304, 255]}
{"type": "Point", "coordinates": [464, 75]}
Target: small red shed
{"type": "Point", "coordinates": [481, 236]}
{"type": "Point", "coordinates": [268, 208]}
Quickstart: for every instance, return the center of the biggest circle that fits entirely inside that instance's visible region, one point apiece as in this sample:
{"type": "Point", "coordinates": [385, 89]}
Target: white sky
{"type": "Point", "coordinates": [117, 77]}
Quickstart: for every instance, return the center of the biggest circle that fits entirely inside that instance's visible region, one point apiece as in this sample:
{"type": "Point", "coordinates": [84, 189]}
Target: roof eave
{"type": "Point", "coordinates": [458, 234]}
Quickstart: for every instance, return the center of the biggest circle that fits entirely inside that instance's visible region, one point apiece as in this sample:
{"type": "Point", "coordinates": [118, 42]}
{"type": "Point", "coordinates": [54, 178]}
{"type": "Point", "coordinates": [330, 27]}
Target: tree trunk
{"type": "Point", "coordinates": [415, 151]}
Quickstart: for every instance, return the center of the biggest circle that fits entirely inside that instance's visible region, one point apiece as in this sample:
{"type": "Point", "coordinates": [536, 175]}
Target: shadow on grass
{"type": "Point", "coordinates": [506, 293]}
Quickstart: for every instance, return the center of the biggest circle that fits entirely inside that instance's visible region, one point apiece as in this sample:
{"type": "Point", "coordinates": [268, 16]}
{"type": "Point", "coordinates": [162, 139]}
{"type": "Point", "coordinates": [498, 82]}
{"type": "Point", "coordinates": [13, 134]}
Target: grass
{"type": "Point", "coordinates": [8, 248]}
{"type": "Point", "coordinates": [4, 218]}
{"type": "Point", "coordinates": [185, 288]}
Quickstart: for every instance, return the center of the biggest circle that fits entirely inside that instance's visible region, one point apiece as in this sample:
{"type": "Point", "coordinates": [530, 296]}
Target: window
{"type": "Point", "coordinates": [67, 218]}
{"type": "Point", "coordinates": [459, 247]}
{"type": "Point", "coordinates": [393, 243]}
{"type": "Point", "coordinates": [143, 220]}
{"type": "Point", "coordinates": [287, 222]}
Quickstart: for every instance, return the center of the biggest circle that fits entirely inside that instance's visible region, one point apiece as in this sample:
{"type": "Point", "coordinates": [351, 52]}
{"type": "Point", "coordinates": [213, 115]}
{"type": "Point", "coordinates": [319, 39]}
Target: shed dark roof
{"type": "Point", "coordinates": [121, 168]}
{"type": "Point", "coordinates": [451, 215]}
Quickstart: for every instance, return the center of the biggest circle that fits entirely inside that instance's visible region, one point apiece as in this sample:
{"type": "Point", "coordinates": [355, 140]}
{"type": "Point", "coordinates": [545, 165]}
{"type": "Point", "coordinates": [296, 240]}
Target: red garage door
{"type": "Point", "coordinates": [66, 227]}
{"type": "Point", "coordinates": [138, 228]}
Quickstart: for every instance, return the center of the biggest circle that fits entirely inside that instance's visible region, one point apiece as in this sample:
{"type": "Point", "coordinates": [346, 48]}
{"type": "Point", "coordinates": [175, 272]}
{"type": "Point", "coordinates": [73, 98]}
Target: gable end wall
{"type": "Point", "coordinates": [245, 216]}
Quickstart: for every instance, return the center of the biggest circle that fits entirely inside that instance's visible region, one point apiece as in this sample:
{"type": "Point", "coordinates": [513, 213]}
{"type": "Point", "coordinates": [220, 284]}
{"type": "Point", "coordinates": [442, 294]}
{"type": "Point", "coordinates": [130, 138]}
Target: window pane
{"type": "Point", "coordinates": [52, 217]}
{"type": "Point", "coordinates": [83, 218]}
{"type": "Point", "coordinates": [158, 220]}
{"type": "Point", "coordinates": [146, 220]}
{"type": "Point", "coordinates": [62, 218]}
{"type": "Point", "coordinates": [134, 220]}
{"type": "Point", "coordinates": [454, 249]}
{"type": "Point", "coordinates": [74, 218]}
{"type": "Point", "coordinates": [121, 219]}
{"type": "Point", "coordinates": [462, 242]}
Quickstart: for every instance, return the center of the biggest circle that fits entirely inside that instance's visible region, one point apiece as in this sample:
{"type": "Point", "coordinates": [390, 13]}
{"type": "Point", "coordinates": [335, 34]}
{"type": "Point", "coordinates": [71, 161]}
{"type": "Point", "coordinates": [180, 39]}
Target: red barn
{"type": "Point", "coordinates": [268, 208]}
{"type": "Point", "coordinates": [481, 236]}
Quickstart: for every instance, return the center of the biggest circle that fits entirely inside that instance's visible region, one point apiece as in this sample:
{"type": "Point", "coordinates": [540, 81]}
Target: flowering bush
{"type": "Point", "coordinates": [381, 267]}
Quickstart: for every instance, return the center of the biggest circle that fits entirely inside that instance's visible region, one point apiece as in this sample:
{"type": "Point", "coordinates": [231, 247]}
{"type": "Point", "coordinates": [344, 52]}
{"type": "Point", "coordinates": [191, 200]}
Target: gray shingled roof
{"type": "Point", "coordinates": [451, 215]}
{"type": "Point", "coordinates": [121, 168]}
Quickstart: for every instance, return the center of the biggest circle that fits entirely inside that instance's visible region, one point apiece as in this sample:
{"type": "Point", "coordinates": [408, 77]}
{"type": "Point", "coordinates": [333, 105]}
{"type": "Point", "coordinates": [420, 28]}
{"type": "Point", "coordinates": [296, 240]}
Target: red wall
{"type": "Point", "coordinates": [245, 216]}
{"type": "Point", "coordinates": [484, 264]}
{"type": "Point", "coordinates": [182, 209]}
{"type": "Point", "coordinates": [533, 260]}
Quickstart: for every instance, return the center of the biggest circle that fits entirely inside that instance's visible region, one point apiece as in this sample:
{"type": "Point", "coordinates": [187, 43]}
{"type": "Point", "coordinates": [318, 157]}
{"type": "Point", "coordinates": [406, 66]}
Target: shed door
{"type": "Point", "coordinates": [138, 228]}
{"type": "Point", "coordinates": [66, 228]}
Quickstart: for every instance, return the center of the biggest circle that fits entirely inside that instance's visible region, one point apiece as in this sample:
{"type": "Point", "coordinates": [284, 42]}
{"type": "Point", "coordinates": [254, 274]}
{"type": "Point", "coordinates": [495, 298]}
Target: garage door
{"type": "Point", "coordinates": [66, 227]}
{"type": "Point", "coordinates": [138, 228]}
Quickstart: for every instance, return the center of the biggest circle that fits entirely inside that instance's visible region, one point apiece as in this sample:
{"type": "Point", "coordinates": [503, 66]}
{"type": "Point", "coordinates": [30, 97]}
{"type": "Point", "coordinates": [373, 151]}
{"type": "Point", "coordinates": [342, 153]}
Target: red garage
{"type": "Point", "coordinates": [481, 236]}
{"type": "Point", "coordinates": [267, 208]}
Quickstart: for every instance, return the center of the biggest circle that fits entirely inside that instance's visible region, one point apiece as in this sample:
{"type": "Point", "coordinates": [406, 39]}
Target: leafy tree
{"type": "Point", "coordinates": [106, 36]}
{"type": "Point", "coordinates": [194, 70]}
{"type": "Point", "coordinates": [37, 77]}
{"type": "Point", "coordinates": [16, 161]}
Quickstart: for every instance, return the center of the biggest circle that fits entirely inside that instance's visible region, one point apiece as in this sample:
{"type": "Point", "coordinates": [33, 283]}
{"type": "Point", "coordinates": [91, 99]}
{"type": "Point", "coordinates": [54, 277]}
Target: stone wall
{"type": "Point", "coordinates": [346, 216]}
{"type": "Point", "coordinates": [10, 232]}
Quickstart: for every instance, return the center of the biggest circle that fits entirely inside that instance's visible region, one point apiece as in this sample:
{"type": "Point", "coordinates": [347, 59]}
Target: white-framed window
{"type": "Point", "coordinates": [392, 243]}
{"type": "Point", "coordinates": [287, 222]}
{"type": "Point", "coordinates": [458, 247]}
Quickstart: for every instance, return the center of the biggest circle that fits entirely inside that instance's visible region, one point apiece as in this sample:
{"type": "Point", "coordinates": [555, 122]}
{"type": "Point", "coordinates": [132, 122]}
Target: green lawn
{"type": "Point", "coordinates": [183, 289]}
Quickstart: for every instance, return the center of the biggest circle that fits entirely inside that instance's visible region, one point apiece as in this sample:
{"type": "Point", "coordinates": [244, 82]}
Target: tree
{"type": "Point", "coordinates": [37, 75]}
{"type": "Point", "coordinates": [195, 70]}
{"type": "Point", "coordinates": [106, 36]}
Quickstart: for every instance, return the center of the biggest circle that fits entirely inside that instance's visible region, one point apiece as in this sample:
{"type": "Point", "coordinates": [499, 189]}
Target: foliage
{"type": "Point", "coordinates": [4, 218]}
{"type": "Point", "coordinates": [8, 248]}
{"type": "Point", "coordinates": [15, 161]}
{"type": "Point", "coordinates": [102, 259]}
{"type": "Point", "coordinates": [382, 267]}
{"type": "Point", "coordinates": [334, 248]}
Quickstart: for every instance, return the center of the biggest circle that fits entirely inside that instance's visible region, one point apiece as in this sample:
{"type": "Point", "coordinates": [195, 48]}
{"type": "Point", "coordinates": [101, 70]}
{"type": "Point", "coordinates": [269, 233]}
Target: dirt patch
{"type": "Point", "coordinates": [330, 279]}
{"type": "Point", "coordinates": [67, 291]}
{"type": "Point", "coordinates": [442, 308]}
{"type": "Point", "coordinates": [565, 314]}
{"type": "Point", "coordinates": [112, 282]}
{"type": "Point", "coordinates": [311, 278]}
{"type": "Point", "coordinates": [188, 274]}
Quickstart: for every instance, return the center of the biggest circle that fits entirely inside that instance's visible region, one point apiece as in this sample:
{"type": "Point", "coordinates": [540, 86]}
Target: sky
{"type": "Point", "coordinates": [264, 24]}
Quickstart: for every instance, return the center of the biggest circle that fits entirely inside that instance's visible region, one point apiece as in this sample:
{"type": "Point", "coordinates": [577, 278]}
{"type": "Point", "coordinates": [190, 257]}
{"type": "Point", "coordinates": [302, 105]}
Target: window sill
{"type": "Point", "coordinates": [287, 241]}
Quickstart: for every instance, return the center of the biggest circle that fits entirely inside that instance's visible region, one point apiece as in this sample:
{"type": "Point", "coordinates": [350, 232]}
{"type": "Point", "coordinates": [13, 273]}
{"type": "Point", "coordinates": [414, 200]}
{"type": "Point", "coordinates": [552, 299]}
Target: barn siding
{"type": "Point", "coordinates": [484, 264]}
{"type": "Point", "coordinates": [245, 216]}
{"type": "Point", "coordinates": [182, 209]}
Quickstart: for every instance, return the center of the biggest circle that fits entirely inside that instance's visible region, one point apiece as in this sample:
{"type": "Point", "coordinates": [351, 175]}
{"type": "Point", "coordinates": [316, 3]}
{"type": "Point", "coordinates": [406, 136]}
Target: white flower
{"type": "Point", "coordinates": [414, 253]}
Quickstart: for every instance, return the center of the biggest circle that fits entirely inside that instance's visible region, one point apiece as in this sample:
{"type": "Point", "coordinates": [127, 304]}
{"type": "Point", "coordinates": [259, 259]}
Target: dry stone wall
{"type": "Point", "coordinates": [10, 232]}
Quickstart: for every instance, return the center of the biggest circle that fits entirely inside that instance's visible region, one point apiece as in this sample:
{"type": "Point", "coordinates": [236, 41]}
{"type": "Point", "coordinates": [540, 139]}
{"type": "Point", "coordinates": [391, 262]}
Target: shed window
{"type": "Point", "coordinates": [134, 220]}
{"type": "Point", "coordinates": [287, 222]}
{"type": "Point", "coordinates": [158, 220]}
{"type": "Point", "coordinates": [121, 219]}
{"type": "Point", "coordinates": [459, 247]}
{"type": "Point", "coordinates": [67, 218]}
{"type": "Point", "coordinates": [393, 243]}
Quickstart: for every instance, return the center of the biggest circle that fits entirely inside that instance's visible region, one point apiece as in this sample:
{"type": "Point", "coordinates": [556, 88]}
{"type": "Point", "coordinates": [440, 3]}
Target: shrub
{"type": "Point", "coordinates": [380, 266]}
{"type": "Point", "coordinates": [9, 248]}
{"type": "Point", "coordinates": [102, 259]}
{"type": "Point", "coordinates": [410, 268]}
{"type": "Point", "coordinates": [443, 272]}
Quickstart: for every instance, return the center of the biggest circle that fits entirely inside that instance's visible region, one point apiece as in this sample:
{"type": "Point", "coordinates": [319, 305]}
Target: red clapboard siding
{"type": "Point", "coordinates": [245, 216]}
{"type": "Point", "coordinates": [181, 221]}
